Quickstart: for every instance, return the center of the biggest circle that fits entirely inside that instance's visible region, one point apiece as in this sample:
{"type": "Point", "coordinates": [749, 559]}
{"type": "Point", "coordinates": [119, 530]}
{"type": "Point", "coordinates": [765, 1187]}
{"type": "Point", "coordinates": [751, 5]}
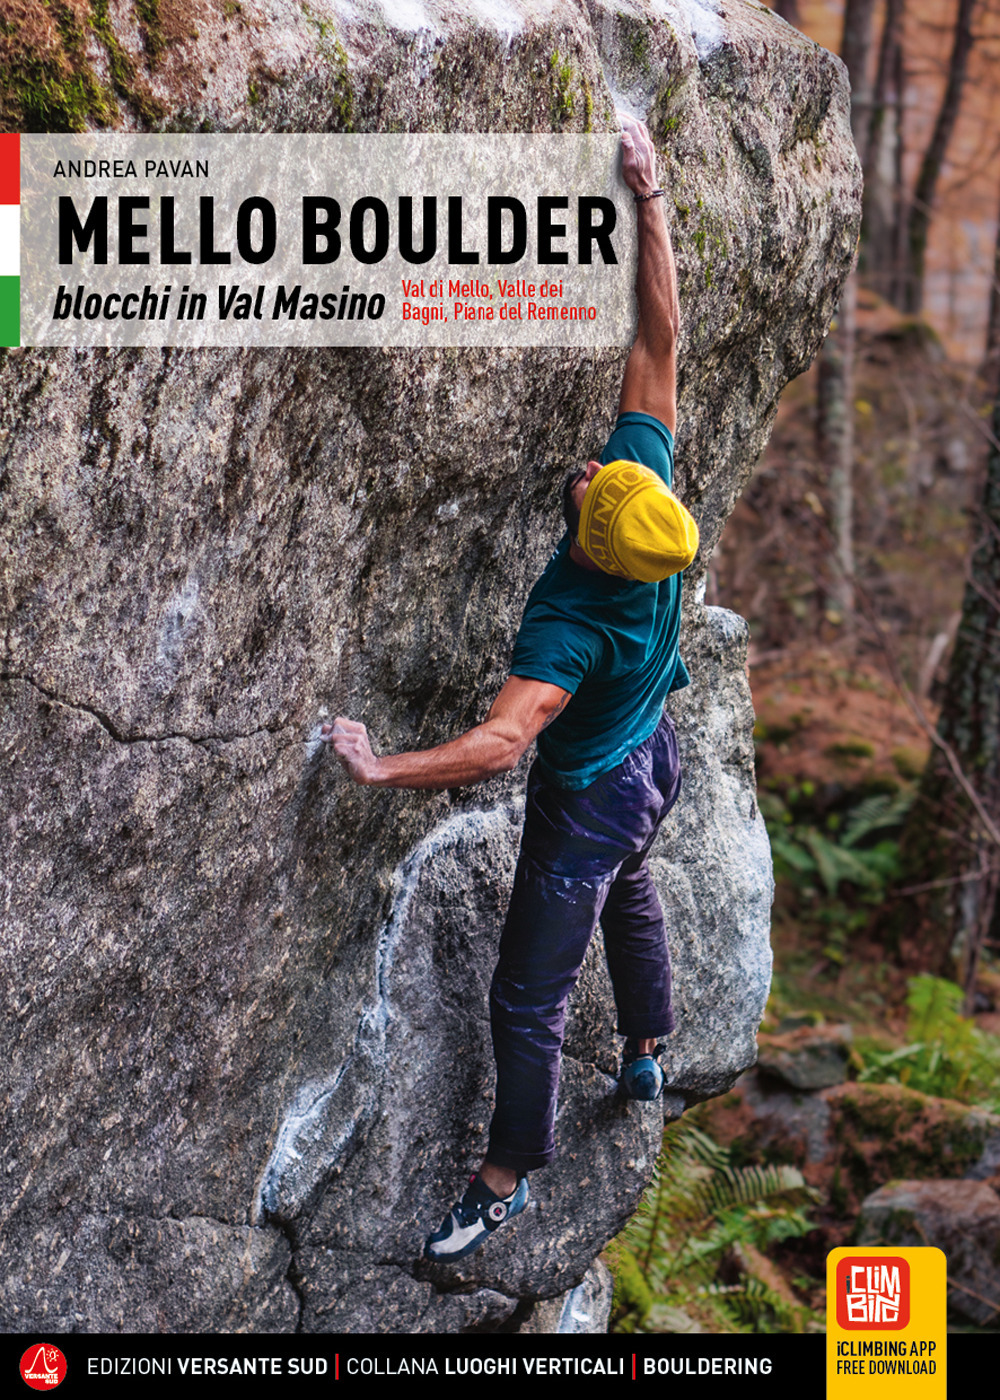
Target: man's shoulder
{"type": "Point", "coordinates": [557, 640]}
{"type": "Point", "coordinates": [639, 437]}
{"type": "Point", "coordinates": [633, 418]}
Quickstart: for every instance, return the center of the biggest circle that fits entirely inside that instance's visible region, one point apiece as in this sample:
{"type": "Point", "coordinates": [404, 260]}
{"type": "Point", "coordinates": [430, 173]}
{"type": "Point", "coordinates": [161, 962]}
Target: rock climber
{"type": "Point", "coordinates": [594, 659]}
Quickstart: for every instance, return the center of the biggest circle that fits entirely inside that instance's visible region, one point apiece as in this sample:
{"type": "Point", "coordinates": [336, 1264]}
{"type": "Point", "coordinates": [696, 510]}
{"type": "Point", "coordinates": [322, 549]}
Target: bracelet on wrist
{"type": "Point", "coordinates": [653, 194]}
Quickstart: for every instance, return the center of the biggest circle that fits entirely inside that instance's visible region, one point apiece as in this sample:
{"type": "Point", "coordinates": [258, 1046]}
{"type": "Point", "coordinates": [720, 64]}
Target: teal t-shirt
{"type": "Point", "coordinates": [612, 643]}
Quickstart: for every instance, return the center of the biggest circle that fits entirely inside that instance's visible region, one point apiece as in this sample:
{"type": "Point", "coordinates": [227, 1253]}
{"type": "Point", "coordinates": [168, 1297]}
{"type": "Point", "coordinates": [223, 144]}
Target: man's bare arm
{"type": "Point", "coordinates": [518, 714]}
{"type": "Point", "coordinates": [650, 381]}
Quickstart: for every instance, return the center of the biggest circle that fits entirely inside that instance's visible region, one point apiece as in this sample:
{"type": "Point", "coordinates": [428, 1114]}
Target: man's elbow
{"type": "Point", "coordinates": [512, 755]}
{"type": "Point", "coordinates": [669, 332]}
{"type": "Point", "coordinates": [660, 346]}
{"type": "Point", "coordinates": [510, 748]}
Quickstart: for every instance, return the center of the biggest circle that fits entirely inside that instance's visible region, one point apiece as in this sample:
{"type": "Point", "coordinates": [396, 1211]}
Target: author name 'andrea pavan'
{"type": "Point", "coordinates": [125, 169]}
{"type": "Point", "coordinates": [235, 303]}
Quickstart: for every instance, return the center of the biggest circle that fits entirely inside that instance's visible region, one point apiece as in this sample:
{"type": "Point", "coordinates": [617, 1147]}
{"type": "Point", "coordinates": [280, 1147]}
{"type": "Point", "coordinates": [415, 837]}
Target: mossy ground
{"type": "Point", "coordinates": [884, 1133]}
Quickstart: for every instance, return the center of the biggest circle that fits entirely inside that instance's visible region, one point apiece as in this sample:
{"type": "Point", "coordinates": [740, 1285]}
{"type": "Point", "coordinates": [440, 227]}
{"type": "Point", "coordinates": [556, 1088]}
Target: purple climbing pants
{"type": "Point", "coordinates": [583, 858]}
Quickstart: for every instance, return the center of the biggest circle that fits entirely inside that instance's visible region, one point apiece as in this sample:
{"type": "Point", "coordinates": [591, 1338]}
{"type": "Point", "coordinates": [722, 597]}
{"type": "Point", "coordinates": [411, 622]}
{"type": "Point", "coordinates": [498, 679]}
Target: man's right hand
{"type": "Point", "coordinates": [349, 741]}
{"type": "Point", "coordinates": [518, 714]}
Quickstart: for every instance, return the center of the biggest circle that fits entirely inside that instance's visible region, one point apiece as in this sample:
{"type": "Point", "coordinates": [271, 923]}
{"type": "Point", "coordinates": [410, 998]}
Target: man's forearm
{"type": "Point", "coordinates": [656, 280]}
{"type": "Point", "coordinates": [649, 384]}
{"type": "Point", "coordinates": [522, 709]}
{"type": "Point", "coordinates": [480, 753]}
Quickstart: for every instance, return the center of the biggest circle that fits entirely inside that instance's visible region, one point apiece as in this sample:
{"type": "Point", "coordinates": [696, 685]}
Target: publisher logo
{"type": "Point", "coordinates": [873, 1293]}
{"type": "Point", "coordinates": [43, 1366]}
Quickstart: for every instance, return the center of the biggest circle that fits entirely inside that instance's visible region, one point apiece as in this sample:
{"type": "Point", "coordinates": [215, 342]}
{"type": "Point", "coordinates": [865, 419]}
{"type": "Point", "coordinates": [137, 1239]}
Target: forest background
{"type": "Point", "coordinates": [866, 556]}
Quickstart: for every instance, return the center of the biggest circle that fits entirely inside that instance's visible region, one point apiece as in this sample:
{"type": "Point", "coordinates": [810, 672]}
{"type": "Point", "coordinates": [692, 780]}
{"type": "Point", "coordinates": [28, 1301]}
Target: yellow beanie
{"type": "Point", "coordinates": [633, 526]}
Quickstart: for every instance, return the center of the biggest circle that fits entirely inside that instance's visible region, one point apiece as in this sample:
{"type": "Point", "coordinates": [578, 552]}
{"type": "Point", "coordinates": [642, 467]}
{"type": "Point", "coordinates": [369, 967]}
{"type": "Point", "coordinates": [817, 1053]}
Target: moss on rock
{"type": "Point", "coordinates": [46, 82]}
{"type": "Point", "coordinates": [884, 1132]}
{"type": "Point", "coordinates": [48, 79]}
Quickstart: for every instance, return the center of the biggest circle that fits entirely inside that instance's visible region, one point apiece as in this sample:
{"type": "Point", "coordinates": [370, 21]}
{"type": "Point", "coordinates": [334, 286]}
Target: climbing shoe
{"type": "Point", "coordinates": [473, 1219]}
{"type": "Point", "coordinates": [641, 1077]}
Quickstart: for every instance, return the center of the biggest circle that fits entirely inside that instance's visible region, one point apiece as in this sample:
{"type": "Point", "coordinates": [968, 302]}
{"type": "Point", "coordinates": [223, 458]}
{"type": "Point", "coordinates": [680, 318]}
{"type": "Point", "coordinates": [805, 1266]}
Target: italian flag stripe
{"type": "Point", "coordinates": [10, 240]}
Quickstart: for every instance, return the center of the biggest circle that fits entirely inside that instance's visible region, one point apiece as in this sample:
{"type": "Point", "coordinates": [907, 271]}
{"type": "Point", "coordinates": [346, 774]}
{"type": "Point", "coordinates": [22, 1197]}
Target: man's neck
{"type": "Point", "coordinates": [578, 557]}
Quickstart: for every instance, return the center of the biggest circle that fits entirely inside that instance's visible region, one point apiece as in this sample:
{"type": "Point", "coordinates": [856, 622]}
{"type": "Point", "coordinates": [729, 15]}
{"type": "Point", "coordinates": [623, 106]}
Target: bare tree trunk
{"type": "Point", "coordinates": [835, 390]}
{"type": "Point", "coordinates": [855, 50]}
{"type": "Point", "coordinates": [882, 156]}
{"type": "Point", "coordinates": [991, 365]}
{"type": "Point", "coordinates": [960, 914]}
{"type": "Point", "coordinates": [892, 42]}
{"type": "Point", "coordinates": [922, 204]}
{"type": "Point", "coordinates": [947, 842]}
{"type": "Point", "coordinates": [835, 441]}
{"type": "Point", "coordinates": [899, 178]}
{"type": "Point", "coordinates": [789, 9]}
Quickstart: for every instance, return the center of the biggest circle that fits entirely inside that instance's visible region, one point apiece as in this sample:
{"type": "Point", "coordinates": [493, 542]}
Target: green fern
{"type": "Point", "coordinates": [875, 814]}
{"type": "Point", "coordinates": [947, 1055]}
{"type": "Point", "coordinates": [747, 1186]}
{"type": "Point", "coordinates": [698, 1206]}
{"type": "Point", "coordinates": [836, 856]}
{"type": "Point", "coordinates": [752, 1304]}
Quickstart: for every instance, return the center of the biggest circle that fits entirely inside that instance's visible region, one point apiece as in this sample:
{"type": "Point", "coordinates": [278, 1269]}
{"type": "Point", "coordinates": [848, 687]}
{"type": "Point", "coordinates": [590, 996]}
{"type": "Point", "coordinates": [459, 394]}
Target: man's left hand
{"type": "Point", "coordinates": [638, 155]}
